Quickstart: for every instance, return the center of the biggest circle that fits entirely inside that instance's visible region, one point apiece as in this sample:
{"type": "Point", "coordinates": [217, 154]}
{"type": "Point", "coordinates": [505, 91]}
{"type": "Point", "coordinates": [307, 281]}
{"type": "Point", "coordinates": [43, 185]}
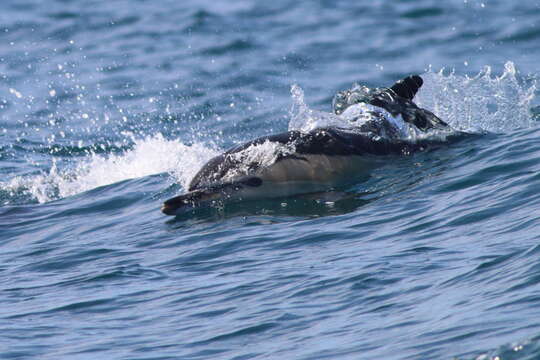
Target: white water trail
{"type": "Point", "coordinates": [148, 156]}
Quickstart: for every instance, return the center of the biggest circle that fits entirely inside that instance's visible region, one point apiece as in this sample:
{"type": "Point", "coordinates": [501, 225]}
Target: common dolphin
{"type": "Point", "coordinates": [296, 162]}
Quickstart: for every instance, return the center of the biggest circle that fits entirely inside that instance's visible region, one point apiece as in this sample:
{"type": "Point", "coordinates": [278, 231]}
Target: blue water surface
{"type": "Point", "coordinates": [108, 108]}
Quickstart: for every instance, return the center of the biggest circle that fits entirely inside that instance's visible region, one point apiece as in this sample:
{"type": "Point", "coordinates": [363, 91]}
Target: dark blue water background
{"type": "Point", "coordinates": [107, 108]}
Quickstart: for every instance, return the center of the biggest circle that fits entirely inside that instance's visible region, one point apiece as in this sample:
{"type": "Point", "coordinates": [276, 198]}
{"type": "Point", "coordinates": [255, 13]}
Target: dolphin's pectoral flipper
{"type": "Point", "coordinates": [408, 87]}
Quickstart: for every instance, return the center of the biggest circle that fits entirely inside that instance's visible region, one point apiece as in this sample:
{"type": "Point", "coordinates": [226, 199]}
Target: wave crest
{"type": "Point", "coordinates": [148, 156]}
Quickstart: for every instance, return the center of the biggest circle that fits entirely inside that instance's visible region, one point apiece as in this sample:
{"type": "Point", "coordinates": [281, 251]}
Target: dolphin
{"type": "Point", "coordinates": [296, 162]}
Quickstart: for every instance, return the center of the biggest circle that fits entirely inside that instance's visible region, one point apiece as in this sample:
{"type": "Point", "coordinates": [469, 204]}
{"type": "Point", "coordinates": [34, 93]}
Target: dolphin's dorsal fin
{"type": "Point", "coordinates": [408, 87]}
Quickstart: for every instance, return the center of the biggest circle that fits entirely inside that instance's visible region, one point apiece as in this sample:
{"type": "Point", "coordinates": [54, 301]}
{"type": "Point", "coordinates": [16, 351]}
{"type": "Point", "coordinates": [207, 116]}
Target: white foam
{"type": "Point", "coordinates": [148, 156]}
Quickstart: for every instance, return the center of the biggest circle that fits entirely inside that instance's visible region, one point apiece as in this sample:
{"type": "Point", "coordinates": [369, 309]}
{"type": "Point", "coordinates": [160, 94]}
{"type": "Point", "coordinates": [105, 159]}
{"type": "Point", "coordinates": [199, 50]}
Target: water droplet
{"type": "Point", "coordinates": [15, 92]}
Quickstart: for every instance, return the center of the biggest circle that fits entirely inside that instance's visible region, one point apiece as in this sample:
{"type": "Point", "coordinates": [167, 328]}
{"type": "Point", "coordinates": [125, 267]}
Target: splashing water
{"type": "Point", "coordinates": [305, 119]}
{"type": "Point", "coordinates": [258, 155]}
{"type": "Point", "coordinates": [481, 103]}
{"type": "Point", "coordinates": [478, 104]}
{"type": "Point", "coordinates": [149, 156]}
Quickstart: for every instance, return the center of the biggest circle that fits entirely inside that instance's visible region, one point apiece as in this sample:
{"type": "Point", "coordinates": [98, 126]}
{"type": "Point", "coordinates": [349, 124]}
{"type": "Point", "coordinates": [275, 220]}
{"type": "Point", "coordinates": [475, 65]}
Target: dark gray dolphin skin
{"type": "Point", "coordinates": [316, 160]}
{"type": "Point", "coordinates": [397, 100]}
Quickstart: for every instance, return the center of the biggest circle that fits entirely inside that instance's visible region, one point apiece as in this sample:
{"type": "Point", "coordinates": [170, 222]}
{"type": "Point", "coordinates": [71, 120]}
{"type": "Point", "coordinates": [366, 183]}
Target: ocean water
{"type": "Point", "coordinates": [108, 108]}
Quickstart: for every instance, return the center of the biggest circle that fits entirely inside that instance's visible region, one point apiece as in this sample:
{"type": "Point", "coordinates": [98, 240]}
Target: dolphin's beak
{"type": "Point", "coordinates": [188, 201]}
{"type": "Point", "coordinates": [168, 209]}
{"type": "Point", "coordinates": [177, 203]}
